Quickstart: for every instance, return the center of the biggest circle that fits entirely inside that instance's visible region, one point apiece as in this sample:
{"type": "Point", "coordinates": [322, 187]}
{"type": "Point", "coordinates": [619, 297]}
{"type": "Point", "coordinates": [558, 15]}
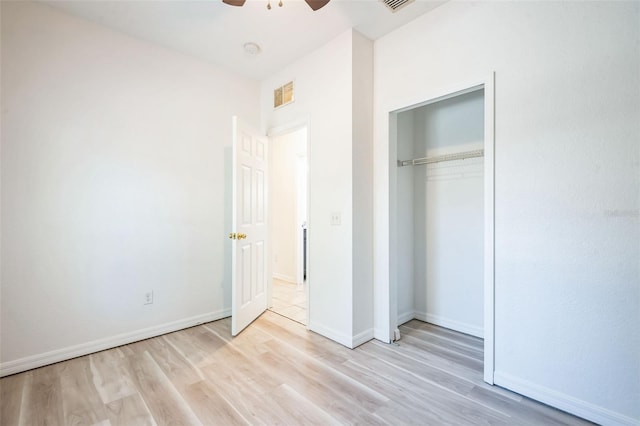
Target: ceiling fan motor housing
{"type": "Point", "coordinates": [313, 4]}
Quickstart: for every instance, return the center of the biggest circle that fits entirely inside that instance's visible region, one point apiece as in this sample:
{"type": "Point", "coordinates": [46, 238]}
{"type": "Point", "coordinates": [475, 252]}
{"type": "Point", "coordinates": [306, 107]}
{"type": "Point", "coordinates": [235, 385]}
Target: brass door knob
{"type": "Point", "coordinates": [233, 235]}
{"type": "Point", "coordinates": [242, 236]}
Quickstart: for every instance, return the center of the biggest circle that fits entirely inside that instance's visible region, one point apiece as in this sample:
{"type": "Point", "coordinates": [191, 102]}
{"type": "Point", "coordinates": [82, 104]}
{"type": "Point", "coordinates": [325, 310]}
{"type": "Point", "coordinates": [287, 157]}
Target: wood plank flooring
{"type": "Point", "coordinates": [275, 372]}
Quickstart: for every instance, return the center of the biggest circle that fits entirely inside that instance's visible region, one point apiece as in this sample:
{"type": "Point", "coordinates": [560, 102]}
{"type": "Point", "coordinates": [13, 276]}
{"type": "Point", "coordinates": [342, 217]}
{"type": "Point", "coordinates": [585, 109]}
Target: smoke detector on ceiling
{"type": "Point", "coordinates": [252, 48]}
{"type": "Point", "coordinates": [395, 5]}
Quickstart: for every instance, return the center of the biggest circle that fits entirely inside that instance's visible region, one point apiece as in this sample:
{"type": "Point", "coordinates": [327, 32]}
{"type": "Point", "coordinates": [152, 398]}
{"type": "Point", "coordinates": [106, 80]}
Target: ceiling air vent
{"type": "Point", "coordinates": [395, 5]}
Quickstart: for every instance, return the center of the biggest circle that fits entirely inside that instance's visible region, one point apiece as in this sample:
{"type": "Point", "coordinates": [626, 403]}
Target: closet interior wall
{"type": "Point", "coordinates": [440, 215]}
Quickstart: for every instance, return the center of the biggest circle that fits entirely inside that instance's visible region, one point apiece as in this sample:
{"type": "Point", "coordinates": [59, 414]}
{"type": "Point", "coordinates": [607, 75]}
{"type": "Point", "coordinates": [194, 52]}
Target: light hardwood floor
{"type": "Point", "coordinates": [275, 372]}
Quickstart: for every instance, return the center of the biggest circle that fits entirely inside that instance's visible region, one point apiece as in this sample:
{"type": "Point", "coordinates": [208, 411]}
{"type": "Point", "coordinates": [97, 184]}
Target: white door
{"type": "Point", "coordinates": [249, 253]}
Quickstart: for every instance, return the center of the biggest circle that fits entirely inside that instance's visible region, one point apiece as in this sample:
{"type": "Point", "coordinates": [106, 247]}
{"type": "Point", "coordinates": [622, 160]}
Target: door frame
{"type": "Point", "coordinates": [272, 133]}
{"type": "Point", "coordinates": [301, 194]}
{"type": "Point", "coordinates": [386, 272]}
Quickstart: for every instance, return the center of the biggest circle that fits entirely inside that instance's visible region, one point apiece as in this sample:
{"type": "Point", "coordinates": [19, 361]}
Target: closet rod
{"type": "Point", "coordinates": [441, 158]}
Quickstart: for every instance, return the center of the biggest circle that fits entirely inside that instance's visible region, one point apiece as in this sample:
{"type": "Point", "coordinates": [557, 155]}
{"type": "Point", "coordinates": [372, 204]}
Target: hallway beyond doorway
{"type": "Point", "coordinates": [289, 300]}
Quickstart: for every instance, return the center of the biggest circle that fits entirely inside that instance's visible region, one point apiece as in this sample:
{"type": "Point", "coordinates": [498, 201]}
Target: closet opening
{"type": "Point", "coordinates": [441, 214]}
{"type": "Point", "coordinates": [288, 224]}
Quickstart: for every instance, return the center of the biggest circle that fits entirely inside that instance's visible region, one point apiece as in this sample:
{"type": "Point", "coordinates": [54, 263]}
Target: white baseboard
{"type": "Point", "coordinates": [563, 401]}
{"type": "Point", "coordinates": [361, 338]}
{"type": "Point", "coordinates": [63, 354]}
{"type": "Point", "coordinates": [286, 278]}
{"type": "Point", "coordinates": [381, 335]}
{"type": "Point", "coordinates": [334, 335]}
{"type": "Point", "coordinates": [345, 340]}
{"type": "Point", "coordinates": [405, 317]}
{"type": "Point", "coordinates": [462, 327]}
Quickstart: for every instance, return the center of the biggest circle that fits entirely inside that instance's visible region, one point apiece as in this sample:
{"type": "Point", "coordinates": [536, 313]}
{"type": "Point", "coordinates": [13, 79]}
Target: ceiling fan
{"type": "Point", "coordinates": [313, 4]}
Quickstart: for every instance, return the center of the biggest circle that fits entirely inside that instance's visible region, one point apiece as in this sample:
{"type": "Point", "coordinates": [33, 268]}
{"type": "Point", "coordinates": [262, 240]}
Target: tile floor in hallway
{"type": "Point", "coordinates": [289, 300]}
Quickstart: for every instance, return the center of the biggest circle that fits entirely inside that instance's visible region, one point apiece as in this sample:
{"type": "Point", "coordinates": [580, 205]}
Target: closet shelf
{"type": "Point", "coordinates": [441, 158]}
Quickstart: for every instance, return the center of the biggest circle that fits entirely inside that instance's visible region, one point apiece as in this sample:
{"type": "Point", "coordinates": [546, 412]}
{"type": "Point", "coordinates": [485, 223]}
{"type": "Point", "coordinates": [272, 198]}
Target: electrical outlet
{"type": "Point", "coordinates": [148, 298]}
{"type": "Point", "coordinates": [336, 218]}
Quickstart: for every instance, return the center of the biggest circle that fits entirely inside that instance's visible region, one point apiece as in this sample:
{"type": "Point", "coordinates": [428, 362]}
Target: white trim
{"type": "Point", "coordinates": [302, 188]}
{"type": "Point", "coordinates": [441, 321]}
{"type": "Point", "coordinates": [63, 354]}
{"type": "Point", "coordinates": [406, 317]}
{"type": "Point", "coordinates": [489, 229]}
{"type": "Point", "coordinates": [379, 333]}
{"type": "Point", "coordinates": [391, 232]}
{"type": "Point", "coordinates": [361, 338]}
{"type": "Point", "coordinates": [563, 401]}
{"type": "Point", "coordinates": [332, 334]}
{"type": "Point", "coordinates": [283, 277]}
{"type": "Point", "coordinates": [290, 127]}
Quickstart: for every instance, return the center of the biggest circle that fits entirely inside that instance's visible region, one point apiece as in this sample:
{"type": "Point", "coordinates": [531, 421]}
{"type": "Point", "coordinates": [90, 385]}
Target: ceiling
{"type": "Point", "coordinates": [216, 32]}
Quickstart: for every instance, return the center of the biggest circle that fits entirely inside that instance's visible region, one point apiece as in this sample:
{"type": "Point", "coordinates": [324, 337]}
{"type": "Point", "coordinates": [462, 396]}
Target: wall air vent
{"type": "Point", "coordinates": [283, 95]}
{"type": "Point", "coordinates": [395, 5]}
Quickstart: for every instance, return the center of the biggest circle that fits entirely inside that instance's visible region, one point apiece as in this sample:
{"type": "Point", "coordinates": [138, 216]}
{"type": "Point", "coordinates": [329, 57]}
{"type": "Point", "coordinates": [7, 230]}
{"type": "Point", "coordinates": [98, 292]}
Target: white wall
{"type": "Point", "coordinates": [283, 191]}
{"type": "Point", "coordinates": [450, 125]}
{"type": "Point", "coordinates": [114, 170]}
{"type": "Point", "coordinates": [449, 218]}
{"type": "Point", "coordinates": [324, 97]}
{"type": "Point", "coordinates": [567, 195]}
{"type": "Point", "coordinates": [362, 107]}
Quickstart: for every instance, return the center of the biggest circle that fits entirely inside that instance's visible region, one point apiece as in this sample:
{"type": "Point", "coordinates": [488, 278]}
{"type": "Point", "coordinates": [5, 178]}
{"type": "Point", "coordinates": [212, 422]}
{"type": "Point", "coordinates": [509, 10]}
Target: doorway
{"type": "Point", "coordinates": [440, 213]}
{"type": "Point", "coordinates": [441, 193]}
{"type": "Point", "coordinates": [288, 225]}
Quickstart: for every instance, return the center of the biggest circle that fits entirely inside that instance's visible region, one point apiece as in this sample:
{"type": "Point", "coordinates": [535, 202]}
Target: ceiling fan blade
{"type": "Point", "coordinates": [234, 2]}
{"type": "Point", "coordinates": [316, 4]}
